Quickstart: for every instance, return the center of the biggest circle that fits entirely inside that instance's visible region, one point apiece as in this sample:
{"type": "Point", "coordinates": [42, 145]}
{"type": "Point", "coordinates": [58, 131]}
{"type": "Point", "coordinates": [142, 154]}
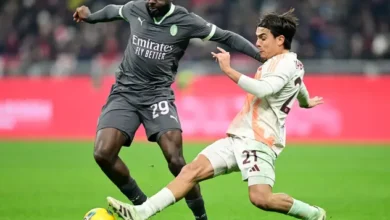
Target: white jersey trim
{"type": "Point", "coordinates": [121, 13]}
{"type": "Point", "coordinates": [212, 32]}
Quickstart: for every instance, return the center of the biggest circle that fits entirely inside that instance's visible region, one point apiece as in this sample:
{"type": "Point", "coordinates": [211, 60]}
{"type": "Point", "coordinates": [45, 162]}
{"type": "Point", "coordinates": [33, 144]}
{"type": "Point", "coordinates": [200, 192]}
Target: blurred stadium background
{"type": "Point", "coordinates": [55, 77]}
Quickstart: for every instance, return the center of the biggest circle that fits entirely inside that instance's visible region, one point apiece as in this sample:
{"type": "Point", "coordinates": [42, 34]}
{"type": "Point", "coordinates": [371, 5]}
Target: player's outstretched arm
{"type": "Point", "coordinates": [304, 99]}
{"type": "Point", "coordinates": [260, 88]}
{"type": "Point", "coordinates": [108, 13]}
{"type": "Point", "coordinates": [236, 42]}
{"type": "Point", "coordinates": [207, 31]}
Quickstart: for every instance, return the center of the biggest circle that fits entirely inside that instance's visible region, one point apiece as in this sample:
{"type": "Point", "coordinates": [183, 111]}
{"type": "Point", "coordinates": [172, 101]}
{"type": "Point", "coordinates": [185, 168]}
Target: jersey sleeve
{"type": "Point", "coordinates": [303, 96]}
{"type": "Point", "coordinates": [279, 75]}
{"type": "Point", "coordinates": [200, 28]}
{"type": "Point", "coordinates": [125, 11]}
{"type": "Point", "coordinates": [279, 72]}
{"type": "Point", "coordinates": [204, 30]}
{"type": "Point", "coordinates": [107, 14]}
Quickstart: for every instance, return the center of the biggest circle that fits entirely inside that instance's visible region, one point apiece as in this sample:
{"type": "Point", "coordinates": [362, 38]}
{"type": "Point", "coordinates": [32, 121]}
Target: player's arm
{"type": "Point", "coordinates": [304, 98]}
{"type": "Point", "coordinates": [207, 31]}
{"type": "Point", "coordinates": [263, 87]}
{"type": "Point", "coordinates": [108, 13]}
{"type": "Point", "coordinates": [236, 42]}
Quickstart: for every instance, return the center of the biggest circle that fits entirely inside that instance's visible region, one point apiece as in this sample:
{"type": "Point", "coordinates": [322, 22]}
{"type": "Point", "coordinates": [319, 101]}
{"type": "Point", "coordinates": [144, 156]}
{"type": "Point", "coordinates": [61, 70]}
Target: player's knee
{"type": "Point", "coordinates": [190, 172]}
{"type": "Point", "coordinates": [175, 164]}
{"type": "Point", "coordinates": [261, 201]}
{"type": "Point", "coordinates": [103, 153]}
{"type": "Point", "coordinates": [102, 157]}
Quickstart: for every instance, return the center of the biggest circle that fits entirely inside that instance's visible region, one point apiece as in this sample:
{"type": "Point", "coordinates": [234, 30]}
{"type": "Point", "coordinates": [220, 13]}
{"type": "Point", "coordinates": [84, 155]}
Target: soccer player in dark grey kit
{"type": "Point", "coordinates": [160, 34]}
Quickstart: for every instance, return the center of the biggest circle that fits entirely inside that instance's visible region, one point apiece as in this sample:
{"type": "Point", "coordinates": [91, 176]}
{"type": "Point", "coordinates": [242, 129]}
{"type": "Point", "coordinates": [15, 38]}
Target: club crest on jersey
{"type": "Point", "coordinates": [174, 30]}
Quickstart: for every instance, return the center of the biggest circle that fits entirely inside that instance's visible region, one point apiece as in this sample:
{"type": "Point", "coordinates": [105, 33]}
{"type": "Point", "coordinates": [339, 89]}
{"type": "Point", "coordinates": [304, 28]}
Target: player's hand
{"type": "Point", "coordinates": [81, 14]}
{"type": "Point", "coordinates": [223, 59]}
{"type": "Point", "coordinates": [313, 102]}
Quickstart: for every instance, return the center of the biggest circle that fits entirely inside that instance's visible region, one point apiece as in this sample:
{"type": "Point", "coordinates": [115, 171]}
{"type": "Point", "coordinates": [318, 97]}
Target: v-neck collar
{"type": "Point", "coordinates": [170, 12]}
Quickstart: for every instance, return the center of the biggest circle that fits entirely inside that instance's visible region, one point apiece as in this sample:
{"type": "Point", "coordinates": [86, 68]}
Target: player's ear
{"type": "Point", "coordinates": [280, 40]}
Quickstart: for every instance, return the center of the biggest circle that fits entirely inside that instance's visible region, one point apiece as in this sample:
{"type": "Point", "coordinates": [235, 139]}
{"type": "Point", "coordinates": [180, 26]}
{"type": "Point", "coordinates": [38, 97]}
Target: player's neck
{"type": "Point", "coordinates": [162, 12]}
{"type": "Point", "coordinates": [282, 52]}
{"type": "Point", "coordinates": [285, 51]}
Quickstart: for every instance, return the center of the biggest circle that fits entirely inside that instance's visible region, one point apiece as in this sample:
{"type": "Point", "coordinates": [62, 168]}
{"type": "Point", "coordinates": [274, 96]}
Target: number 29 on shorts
{"type": "Point", "coordinates": [160, 108]}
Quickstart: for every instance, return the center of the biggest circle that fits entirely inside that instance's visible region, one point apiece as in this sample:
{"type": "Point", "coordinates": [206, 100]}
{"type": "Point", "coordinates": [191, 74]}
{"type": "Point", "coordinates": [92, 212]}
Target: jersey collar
{"type": "Point", "coordinates": [170, 12]}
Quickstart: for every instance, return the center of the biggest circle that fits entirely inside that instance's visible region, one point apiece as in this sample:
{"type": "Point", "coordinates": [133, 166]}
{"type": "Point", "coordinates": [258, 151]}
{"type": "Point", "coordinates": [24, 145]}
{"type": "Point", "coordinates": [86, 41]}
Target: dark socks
{"type": "Point", "coordinates": [133, 192]}
{"type": "Point", "coordinates": [197, 207]}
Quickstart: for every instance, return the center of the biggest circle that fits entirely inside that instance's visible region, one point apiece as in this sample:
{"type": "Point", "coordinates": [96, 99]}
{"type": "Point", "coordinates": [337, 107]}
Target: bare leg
{"type": "Point", "coordinates": [172, 146]}
{"type": "Point", "coordinates": [262, 197]}
{"type": "Point", "coordinates": [200, 169]}
{"type": "Point", "coordinates": [108, 143]}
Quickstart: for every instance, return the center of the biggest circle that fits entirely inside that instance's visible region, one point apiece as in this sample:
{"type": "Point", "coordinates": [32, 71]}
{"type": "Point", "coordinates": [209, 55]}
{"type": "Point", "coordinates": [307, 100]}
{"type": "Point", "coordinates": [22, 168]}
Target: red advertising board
{"type": "Point", "coordinates": [355, 109]}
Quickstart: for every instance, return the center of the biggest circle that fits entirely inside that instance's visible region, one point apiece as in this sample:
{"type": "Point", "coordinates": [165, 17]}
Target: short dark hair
{"type": "Point", "coordinates": [281, 24]}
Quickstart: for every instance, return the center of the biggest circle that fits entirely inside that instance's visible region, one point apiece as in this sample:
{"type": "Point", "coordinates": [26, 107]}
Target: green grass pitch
{"type": "Point", "coordinates": [60, 181]}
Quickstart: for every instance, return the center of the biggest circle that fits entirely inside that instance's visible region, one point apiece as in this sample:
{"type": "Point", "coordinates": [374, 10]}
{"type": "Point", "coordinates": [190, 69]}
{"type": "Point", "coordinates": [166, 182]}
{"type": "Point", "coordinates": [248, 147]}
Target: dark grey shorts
{"type": "Point", "coordinates": [121, 114]}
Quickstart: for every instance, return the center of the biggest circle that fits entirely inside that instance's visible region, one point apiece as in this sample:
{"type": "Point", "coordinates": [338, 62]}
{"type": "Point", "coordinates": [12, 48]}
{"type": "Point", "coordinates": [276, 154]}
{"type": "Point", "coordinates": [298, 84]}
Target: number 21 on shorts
{"type": "Point", "coordinates": [248, 155]}
{"type": "Point", "coordinates": [161, 108]}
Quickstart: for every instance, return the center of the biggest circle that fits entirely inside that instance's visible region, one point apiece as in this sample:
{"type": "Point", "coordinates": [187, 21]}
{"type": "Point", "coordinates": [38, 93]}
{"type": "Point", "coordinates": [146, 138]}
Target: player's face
{"type": "Point", "coordinates": [158, 7]}
{"type": "Point", "coordinates": [268, 45]}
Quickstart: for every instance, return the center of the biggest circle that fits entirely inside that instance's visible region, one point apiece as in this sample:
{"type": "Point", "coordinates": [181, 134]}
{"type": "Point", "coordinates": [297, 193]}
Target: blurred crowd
{"type": "Point", "coordinates": [42, 32]}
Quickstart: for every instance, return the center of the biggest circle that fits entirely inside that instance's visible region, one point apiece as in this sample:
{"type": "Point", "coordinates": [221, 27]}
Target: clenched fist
{"type": "Point", "coordinates": [81, 13]}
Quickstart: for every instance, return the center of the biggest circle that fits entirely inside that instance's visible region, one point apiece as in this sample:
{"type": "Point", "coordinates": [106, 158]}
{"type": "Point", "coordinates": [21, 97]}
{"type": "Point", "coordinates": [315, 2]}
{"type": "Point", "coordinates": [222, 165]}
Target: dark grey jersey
{"type": "Point", "coordinates": [155, 47]}
{"type": "Point", "coordinates": [151, 58]}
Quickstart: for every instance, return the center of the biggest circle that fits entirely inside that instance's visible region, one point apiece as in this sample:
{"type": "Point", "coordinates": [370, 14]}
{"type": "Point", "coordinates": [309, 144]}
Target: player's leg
{"type": "Point", "coordinates": [189, 176]}
{"type": "Point", "coordinates": [216, 159]}
{"type": "Point", "coordinates": [117, 125]}
{"type": "Point", "coordinates": [261, 196]}
{"type": "Point", "coordinates": [171, 145]}
{"type": "Point", "coordinates": [162, 125]}
{"type": "Point", "coordinates": [256, 161]}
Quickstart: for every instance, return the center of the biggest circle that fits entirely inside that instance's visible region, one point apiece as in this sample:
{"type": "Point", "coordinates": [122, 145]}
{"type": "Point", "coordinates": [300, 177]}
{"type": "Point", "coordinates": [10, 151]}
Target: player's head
{"type": "Point", "coordinates": [158, 8]}
{"type": "Point", "coordinates": [275, 33]}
